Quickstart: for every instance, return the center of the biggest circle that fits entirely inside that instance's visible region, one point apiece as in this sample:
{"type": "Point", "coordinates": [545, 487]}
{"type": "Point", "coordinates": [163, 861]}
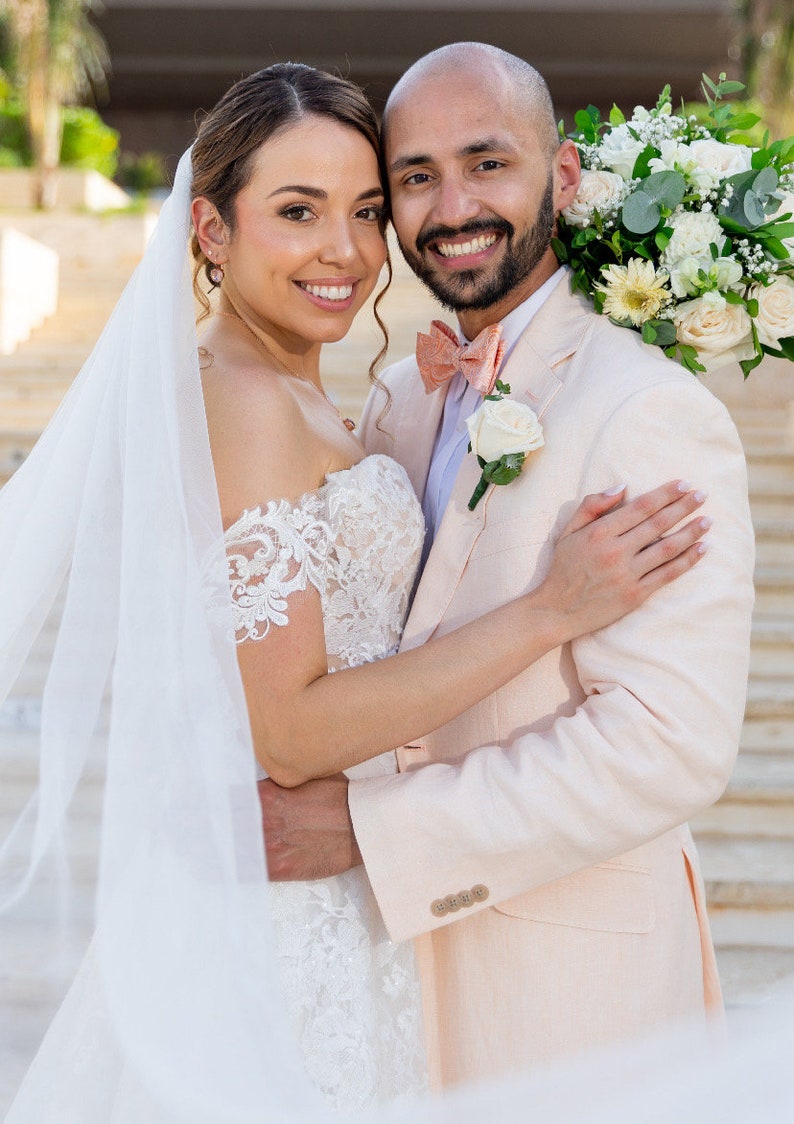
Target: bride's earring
{"type": "Point", "coordinates": [214, 273]}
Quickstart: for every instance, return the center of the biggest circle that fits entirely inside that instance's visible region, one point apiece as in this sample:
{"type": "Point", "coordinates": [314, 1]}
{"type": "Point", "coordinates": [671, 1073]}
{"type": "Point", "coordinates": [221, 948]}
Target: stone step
{"type": "Point", "coordinates": [772, 646]}
{"type": "Point", "coordinates": [751, 926]}
{"type": "Point", "coordinates": [750, 974]}
{"type": "Point", "coordinates": [770, 469]}
{"type": "Point", "coordinates": [767, 735]}
{"type": "Point", "coordinates": [746, 872]}
{"type": "Point", "coordinates": [758, 801]}
{"type": "Point", "coordinates": [774, 540]}
{"type": "Point", "coordinates": [774, 589]}
{"type": "Point", "coordinates": [770, 698]}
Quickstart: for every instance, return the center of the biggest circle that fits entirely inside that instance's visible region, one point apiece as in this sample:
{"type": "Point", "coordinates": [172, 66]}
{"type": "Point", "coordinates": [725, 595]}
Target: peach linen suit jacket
{"type": "Point", "coordinates": [537, 846]}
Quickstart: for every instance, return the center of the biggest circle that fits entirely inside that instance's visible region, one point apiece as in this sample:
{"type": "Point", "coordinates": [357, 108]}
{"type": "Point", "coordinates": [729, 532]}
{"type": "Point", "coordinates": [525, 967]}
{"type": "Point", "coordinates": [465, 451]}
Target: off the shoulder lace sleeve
{"type": "Point", "coordinates": [272, 554]}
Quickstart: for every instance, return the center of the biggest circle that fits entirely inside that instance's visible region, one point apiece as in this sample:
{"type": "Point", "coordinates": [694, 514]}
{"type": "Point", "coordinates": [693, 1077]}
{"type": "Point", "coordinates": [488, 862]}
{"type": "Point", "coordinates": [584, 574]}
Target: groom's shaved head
{"type": "Point", "coordinates": [484, 62]}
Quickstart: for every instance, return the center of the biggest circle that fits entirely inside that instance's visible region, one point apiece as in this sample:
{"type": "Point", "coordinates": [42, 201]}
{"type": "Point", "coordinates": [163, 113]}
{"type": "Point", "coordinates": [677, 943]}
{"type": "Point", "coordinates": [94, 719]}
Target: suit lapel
{"type": "Point", "coordinates": [552, 336]}
{"type": "Point", "coordinates": [416, 424]}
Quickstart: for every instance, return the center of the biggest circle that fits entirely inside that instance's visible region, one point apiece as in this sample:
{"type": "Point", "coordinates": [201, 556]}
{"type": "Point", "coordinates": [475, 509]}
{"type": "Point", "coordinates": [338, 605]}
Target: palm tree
{"type": "Point", "coordinates": [766, 50]}
{"type": "Point", "coordinates": [59, 58]}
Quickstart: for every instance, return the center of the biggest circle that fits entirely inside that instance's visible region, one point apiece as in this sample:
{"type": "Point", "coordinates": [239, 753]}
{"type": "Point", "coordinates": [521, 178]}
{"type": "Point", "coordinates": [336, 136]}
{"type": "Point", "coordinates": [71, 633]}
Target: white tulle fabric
{"type": "Point", "coordinates": [117, 503]}
{"type": "Point", "coordinates": [353, 995]}
{"type": "Point", "coordinates": [119, 497]}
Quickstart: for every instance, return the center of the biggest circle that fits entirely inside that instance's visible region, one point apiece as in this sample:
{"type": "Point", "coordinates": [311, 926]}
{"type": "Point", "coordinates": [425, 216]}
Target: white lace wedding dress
{"type": "Point", "coordinates": [352, 992]}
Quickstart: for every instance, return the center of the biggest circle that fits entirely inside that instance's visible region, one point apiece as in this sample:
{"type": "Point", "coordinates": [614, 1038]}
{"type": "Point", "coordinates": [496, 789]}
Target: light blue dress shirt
{"type": "Point", "coordinates": [462, 400]}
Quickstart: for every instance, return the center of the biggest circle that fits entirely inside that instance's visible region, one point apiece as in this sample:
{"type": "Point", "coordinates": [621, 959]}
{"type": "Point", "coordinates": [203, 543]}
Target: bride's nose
{"type": "Point", "coordinates": [339, 247]}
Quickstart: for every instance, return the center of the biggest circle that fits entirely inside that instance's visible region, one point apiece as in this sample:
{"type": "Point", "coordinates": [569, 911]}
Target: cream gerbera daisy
{"type": "Point", "coordinates": [635, 292]}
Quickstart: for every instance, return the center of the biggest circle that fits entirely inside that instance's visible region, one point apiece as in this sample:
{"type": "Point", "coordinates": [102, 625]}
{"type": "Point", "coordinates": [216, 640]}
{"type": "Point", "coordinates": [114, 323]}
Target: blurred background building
{"type": "Point", "coordinates": [171, 58]}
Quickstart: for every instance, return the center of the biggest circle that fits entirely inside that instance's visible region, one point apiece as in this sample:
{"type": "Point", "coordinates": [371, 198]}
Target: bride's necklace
{"type": "Point", "coordinates": [348, 423]}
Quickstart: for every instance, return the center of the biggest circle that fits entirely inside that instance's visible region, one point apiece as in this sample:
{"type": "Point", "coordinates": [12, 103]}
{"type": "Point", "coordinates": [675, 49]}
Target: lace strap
{"type": "Point", "coordinates": [272, 554]}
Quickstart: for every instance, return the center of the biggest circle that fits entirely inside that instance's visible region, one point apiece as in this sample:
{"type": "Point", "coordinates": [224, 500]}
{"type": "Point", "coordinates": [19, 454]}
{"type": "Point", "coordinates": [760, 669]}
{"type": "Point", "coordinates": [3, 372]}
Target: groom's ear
{"type": "Point", "coordinates": [567, 173]}
{"type": "Point", "coordinates": [211, 230]}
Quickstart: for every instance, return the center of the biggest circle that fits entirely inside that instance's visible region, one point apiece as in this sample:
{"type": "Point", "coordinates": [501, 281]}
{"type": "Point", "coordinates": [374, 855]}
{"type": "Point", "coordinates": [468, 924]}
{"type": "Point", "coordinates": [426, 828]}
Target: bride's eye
{"type": "Point", "coordinates": [298, 212]}
{"type": "Point", "coordinates": [372, 213]}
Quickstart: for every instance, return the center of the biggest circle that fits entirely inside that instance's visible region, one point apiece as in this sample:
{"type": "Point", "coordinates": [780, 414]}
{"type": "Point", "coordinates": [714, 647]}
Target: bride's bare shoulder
{"type": "Point", "coordinates": [262, 447]}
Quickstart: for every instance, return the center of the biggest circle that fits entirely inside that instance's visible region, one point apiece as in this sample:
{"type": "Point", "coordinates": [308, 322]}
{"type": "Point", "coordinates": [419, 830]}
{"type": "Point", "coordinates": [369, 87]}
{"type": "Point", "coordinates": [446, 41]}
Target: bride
{"type": "Point", "coordinates": [185, 496]}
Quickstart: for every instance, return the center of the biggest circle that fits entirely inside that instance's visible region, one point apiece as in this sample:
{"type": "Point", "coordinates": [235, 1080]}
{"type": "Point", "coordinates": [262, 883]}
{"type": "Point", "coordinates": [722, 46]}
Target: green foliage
{"type": "Point", "coordinates": [88, 142]}
{"type": "Point", "coordinates": [142, 173]}
{"type": "Point", "coordinates": [14, 135]}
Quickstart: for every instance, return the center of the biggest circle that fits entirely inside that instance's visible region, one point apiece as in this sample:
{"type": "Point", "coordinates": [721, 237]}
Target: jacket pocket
{"type": "Point", "coordinates": [607, 898]}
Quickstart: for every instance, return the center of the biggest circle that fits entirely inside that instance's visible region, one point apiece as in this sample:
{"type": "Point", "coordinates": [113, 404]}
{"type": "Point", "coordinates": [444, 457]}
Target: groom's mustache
{"type": "Point", "coordinates": [476, 226]}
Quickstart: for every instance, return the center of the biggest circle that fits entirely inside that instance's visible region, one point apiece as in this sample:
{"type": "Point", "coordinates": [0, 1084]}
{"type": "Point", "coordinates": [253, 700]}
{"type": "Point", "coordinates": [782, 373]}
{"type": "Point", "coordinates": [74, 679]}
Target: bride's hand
{"type": "Point", "coordinates": [610, 559]}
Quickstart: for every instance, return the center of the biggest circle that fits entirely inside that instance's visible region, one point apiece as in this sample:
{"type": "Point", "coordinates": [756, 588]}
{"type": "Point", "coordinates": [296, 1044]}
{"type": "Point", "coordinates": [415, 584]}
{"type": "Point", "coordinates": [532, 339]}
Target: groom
{"type": "Point", "coordinates": [537, 846]}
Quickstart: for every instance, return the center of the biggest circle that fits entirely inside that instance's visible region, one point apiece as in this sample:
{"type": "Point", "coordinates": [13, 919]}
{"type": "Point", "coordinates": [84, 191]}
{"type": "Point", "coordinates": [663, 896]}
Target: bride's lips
{"type": "Point", "coordinates": [333, 294]}
{"type": "Point", "coordinates": [466, 251]}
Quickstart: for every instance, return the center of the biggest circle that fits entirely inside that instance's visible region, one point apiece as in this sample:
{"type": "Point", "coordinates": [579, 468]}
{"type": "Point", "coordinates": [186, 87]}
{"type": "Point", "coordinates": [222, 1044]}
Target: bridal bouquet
{"type": "Point", "coordinates": [684, 231]}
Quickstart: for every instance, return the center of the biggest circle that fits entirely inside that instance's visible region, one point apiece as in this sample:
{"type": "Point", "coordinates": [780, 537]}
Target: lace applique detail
{"type": "Point", "coordinates": [270, 555]}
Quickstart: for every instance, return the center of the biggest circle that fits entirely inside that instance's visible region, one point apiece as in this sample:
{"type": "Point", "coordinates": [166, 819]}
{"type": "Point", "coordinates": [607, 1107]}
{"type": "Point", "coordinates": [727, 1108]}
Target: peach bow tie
{"type": "Point", "coordinates": [440, 356]}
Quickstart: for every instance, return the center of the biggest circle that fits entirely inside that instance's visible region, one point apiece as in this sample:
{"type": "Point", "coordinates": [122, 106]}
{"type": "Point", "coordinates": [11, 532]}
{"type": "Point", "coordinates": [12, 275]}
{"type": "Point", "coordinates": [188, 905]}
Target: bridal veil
{"type": "Point", "coordinates": [117, 503]}
{"type": "Point", "coordinates": [115, 517]}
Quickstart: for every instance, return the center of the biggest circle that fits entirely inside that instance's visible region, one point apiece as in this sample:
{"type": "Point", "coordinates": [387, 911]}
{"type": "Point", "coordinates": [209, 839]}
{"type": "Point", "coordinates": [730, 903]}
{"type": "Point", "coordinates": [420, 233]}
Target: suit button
{"type": "Point", "coordinates": [480, 892]}
{"type": "Point", "coordinates": [465, 897]}
{"type": "Point", "coordinates": [439, 907]}
{"type": "Point", "coordinates": [452, 902]}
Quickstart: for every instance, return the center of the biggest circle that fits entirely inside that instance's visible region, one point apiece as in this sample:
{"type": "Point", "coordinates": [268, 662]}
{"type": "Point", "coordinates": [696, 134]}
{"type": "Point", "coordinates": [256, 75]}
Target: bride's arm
{"type": "Point", "coordinates": [307, 723]}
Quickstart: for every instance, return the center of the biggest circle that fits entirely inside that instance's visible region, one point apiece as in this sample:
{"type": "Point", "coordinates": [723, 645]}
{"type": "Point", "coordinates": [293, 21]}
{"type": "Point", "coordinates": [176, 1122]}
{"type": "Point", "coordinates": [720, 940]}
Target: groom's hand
{"type": "Point", "coordinates": [308, 830]}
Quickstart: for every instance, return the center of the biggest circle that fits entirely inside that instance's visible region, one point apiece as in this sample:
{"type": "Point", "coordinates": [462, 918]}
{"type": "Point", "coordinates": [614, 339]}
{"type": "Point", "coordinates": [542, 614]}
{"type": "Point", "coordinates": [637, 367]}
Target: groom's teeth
{"type": "Point", "coordinates": [457, 250]}
{"type": "Point", "coordinates": [329, 292]}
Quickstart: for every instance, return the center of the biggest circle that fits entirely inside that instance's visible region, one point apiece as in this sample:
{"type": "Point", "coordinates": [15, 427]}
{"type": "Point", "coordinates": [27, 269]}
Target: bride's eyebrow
{"type": "Point", "coordinates": [319, 193]}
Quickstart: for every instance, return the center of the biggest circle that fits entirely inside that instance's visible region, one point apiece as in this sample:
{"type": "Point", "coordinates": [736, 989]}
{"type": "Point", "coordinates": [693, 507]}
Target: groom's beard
{"type": "Point", "coordinates": [469, 289]}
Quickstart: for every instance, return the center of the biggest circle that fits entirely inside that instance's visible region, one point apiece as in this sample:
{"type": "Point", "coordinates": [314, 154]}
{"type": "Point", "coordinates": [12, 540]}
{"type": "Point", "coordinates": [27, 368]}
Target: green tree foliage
{"type": "Point", "coordinates": [58, 58]}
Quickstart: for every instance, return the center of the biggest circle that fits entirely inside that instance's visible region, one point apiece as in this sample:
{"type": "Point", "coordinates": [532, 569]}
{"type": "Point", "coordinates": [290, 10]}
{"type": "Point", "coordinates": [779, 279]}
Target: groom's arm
{"type": "Point", "coordinates": [653, 743]}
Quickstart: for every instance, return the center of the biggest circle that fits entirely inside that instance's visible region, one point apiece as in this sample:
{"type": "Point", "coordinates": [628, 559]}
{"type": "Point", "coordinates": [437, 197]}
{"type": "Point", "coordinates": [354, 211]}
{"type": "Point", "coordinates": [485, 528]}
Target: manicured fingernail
{"type": "Point", "coordinates": [699, 496]}
{"type": "Point", "coordinates": [702, 547]}
{"type": "Point", "coordinates": [706, 522]}
{"type": "Point", "coordinates": [684, 486]}
{"type": "Point", "coordinates": [615, 491]}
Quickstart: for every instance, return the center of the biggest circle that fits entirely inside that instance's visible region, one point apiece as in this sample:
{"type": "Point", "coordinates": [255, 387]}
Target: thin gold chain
{"type": "Point", "coordinates": [348, 423]}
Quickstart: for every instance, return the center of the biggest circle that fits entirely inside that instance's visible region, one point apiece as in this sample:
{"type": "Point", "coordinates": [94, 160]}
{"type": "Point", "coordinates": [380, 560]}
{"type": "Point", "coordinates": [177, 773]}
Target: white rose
{"type": "Point", "coordinates": [693, 234]}
{"type": "Point", "coordinates": [720, 332]}
{"type": "Point", "coordinates": [717, 161]}
{"type": "Point", "coordinates": [502, 427]}
{"type": "Point", "coordinates": [775, 319]}
{"type": "Point", "coordinates": [673, 156]}
{"type": "Point", "coordinates": [685, 280]}
{"type": "Point", "coordinates": [598, 191]}
{"type": "Point", "coordinates": [619, 151]}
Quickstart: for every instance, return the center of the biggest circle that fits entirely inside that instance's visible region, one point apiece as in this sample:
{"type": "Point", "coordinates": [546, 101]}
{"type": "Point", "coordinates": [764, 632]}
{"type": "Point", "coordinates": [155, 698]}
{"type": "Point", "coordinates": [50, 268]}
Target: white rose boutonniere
{"type": "Point", "coordinates": [501, 433]}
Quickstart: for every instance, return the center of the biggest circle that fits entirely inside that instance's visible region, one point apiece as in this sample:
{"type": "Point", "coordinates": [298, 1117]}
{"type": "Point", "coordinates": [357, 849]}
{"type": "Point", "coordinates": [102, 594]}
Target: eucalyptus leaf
{"type": "Point", "coordinates": [766, 181]}
{"type": "Point", "coordinates": [753, 206]}
{"type": "Point", "coordinates": [665, 188]}
{"type": "Point", "coordinates": [640, 214]}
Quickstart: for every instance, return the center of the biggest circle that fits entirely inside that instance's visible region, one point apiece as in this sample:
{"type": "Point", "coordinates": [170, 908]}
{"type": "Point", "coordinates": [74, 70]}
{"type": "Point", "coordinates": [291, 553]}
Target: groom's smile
{"type": "Point", "coordinates": [475, 185]}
